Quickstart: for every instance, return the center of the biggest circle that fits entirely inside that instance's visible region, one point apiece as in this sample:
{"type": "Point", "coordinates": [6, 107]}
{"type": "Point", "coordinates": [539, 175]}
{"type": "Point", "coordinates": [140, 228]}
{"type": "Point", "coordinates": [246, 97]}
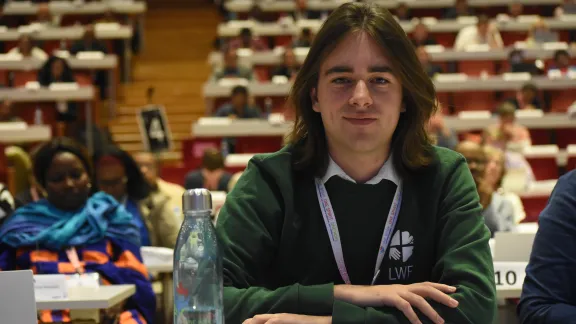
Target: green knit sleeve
{"type": "Point", "coordinates": [249, 225]}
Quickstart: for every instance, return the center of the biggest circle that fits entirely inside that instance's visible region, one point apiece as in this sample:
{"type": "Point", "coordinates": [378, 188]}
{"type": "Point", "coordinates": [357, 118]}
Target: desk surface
{"type": "Point", "coordinates": [470, 84]}
{"type": "Point", "coordinates": [103, 297]}
{"type": "Point", "coordinates": [260, 127]}
{"type": "Point", "coordinates": [69, 33]}
{"type": "Point", "coordinates": [279, 6]}
{"type": "Point", "coordinates": [233, 28]}
{"type": "Point", "coordinates": [447, 55]}
{"type": "Point", "coordinates": [83, 93]}
{"type": "Point", "coordinates": [30, 134]}
{"type": "Point", "coordinates": [64, 7]}
{"type": "Point", "coordinates": [14, 64]}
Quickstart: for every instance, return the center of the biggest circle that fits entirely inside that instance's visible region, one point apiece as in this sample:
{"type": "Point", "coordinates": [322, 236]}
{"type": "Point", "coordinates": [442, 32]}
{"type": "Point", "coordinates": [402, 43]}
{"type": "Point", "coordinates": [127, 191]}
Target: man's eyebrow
{"type": "Point", "coordinates": [339, 69]}
{"type": "Point", "coordinates": [380, 69]}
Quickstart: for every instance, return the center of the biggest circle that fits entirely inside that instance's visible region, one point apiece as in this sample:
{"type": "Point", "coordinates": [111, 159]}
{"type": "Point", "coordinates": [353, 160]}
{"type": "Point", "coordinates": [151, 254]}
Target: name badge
{"type": "Point", "coordinates": [50, 287]}
{"type": "Point", "coordinates": [509, 274]}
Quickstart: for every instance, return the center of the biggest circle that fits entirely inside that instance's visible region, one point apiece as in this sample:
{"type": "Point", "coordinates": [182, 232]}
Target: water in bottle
{"type": "Point", "coordinates": [198, 286]}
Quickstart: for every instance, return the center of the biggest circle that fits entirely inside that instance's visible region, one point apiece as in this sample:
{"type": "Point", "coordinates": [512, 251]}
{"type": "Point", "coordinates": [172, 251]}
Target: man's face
{"type": "Point", "coordinates": [483, 29]}
{"type": "Point", "coordinates": [230, 59]}
{"type": "Point", "coordinates": [148, 167]}
{"type": "Point", "coordinates": [563, 61]}
{"type": "Point", "coordinates": [239, 101]}
{"type": "Point", "coordinates": [289, 58]}
{"type": "Point", "coordinates": [358, 96]}
{"type": "Point", "coordinates": [516, 9]}
{"type": "Point", "coordinates": [476, 159]}
{"type": "Point", "coordinates": [506, 120]}
{"type": "Point", "coordinates": [5, 110]}
{"type": "Point", "coordinates": [422, 55]}
{"type": "Point", "coordinates": [528, 95]}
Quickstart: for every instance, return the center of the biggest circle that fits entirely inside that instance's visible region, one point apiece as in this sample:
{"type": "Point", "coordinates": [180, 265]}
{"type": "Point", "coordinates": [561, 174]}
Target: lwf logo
{"type": "Point", "coordinates": [401, 248]}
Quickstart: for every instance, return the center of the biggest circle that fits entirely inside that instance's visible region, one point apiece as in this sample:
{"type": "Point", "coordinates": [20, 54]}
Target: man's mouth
{"type": "Point", "coordinates": [360, 121]}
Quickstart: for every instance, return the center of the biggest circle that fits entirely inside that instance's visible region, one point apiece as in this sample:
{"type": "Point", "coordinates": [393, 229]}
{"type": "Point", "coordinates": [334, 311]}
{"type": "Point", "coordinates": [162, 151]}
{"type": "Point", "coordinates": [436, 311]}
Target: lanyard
{"type": "Point", "coordinates": [73, 258]}
{"type": "Point", "coordinates": [332, 228]}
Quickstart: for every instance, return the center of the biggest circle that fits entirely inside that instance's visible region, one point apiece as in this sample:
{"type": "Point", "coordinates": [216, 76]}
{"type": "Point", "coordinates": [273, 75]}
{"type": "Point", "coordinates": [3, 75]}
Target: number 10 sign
{"type": "Point", "coordinates": [509, 274]}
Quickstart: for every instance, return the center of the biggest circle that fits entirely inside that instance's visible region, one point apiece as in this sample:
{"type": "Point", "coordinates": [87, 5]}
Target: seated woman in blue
{"type": "Point", "coordinates": [72, 232]}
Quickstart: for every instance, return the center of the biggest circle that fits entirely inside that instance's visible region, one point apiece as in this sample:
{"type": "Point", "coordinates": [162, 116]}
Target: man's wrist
{"type": "Point", "coordinates": [342, 293]}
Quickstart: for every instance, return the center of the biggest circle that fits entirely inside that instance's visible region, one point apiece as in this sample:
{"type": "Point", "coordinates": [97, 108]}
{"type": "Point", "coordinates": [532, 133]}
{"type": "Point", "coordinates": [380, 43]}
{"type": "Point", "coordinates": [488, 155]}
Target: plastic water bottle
{"type": "Point", "coordinates": [224, 148]}
{"type": "Point", "coordinates": [267, 107]}
{"type": "Point", "coordinates": [38, 116]}
{"type": "Point", "coordinates": [198, 285]}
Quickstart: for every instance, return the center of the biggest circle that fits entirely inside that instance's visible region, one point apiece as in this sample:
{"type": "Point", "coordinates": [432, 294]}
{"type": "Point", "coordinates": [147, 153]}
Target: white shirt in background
{"type": "Point", "coordinates": [469, 36]}
{"type": "Point", "coordinates": [37, 53]}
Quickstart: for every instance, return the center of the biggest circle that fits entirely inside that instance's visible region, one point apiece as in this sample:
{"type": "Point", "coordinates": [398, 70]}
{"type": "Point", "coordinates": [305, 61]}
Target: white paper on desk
{"type": "Point", "coordinates": [13, 126]}
{"type": "Point", "coordinates": [554, 46]}
{"type": "Point", "coordinates": [107, 26]}
{"type": "Point", "coordinates": [467, 20]}
{"type": "Point", "coordinates": [509, 274]}
{"type": "Point", "coordinates": [63, 86]}
{"type": "Point", "coordinates": [451, 77]}
{"type": "Point", "coordinates": [474, 114]}
{"type": "Point", "coordinates": [32, 85]}
{"type": "Point", "coordinates": [154, 255]}
{"type": "Point", "coordinates": [529, 113]}
{"type": "Point", "coordinates": [477, 48]}
{"type": "Point", "coordinates": [434, 48]}
{"type": "Point", "coordinates": [516, 76]}
{"type": "Point", "coordinates": [50, 287]}
{"type": "Point", "coordinates": [90, 55]}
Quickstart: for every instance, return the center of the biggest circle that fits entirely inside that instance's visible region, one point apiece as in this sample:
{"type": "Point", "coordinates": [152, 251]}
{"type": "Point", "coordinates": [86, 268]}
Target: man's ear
{"type": "Point", "coordinates": [314, 97]}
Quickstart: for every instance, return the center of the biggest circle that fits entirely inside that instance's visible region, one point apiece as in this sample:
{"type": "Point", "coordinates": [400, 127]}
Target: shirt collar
{"type": "Point", "coordinates": [387, 171]}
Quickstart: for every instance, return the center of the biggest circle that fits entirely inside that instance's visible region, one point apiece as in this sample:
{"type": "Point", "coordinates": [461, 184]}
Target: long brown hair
{"type": "Point", "coordinates": [410, 142]}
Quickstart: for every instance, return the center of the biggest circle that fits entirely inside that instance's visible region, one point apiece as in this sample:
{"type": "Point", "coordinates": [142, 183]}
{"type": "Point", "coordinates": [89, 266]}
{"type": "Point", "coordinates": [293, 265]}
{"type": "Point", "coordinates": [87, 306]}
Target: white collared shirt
{"type": "Point", "coordinates": [387, 171]}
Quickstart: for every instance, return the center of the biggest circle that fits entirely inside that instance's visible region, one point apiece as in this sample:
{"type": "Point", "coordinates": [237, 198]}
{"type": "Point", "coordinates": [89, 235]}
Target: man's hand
{"type": "Point", "coordinates": [403, 297]}
{"type": "Point", "coordinates": [288, 319]}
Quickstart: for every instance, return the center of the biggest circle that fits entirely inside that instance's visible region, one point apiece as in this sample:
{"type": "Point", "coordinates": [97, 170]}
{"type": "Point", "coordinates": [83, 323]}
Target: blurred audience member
{"type": "Point", "coordinates": [302, 12]}
{"type": "Point", "coordinates": [289, 67]}
{"type": "Point", "coordinates": [233, 180]}
{"type": "Point", "coordinates": [460, 9]}
{"type": "Point", "coordinates": [568, 7]}
{"type": "Point", "coordinates": [27, 49]}
{"type": "Point", "coordinates": [6, 203]}
{"type": "Point", "coordinates": [211, 175]}
{"type": "Point", "coordinates": [518, 63]}
{"type": "Point", "coordinates": [484, 32]}
{"type": "Point", "coordinates": [118, 175]}
{"type": "Point", "coordinates": [247, 40]}
{"type": "Point", "coordinates": [7, 112]}
{"type": "Point", "coordinates": [150, 168]}
{"type": "Point", "coordinates": [562, 62]}
{"type": "Point", "coordinates": [57, 70]}
{"type": "Point", "coordinates": [498, 212]}
{"type": "Point", "coordinates": [549, 289]}
{"type": "Point", "coordinates": [430, 68]}
{"type": "Point", "coordinates": [88, 43]}
{"type": "Point", "coordinates": [515, 9]}
{"type": "Point", "coordinates": [540, 33]}
{"type": "Point", "coordinates": [495, 173]}
{"type": "Point", "coordinates": [526, 98]}
{"type": "Point", "coordinates": [438, 130]}
{"type": "Point", "coordinates": [507, 133]}
{"type": "Point", "coordinates": [421, 36]}
{"type": "Point", "coordinates": [71, 224]}
{"type": "Point", "coordinates": [305, 39]}
{"type": "Point", "coordinates": [108, 17]}
{"type": "Point", "coordinates": [402, 12]}
{"type": "Point", "coordinates": [26, 188]}
{"type": "Point", "coordinates": [239, 106]}
{"type": "Point", "coordinates": [232, 69]}
{"type": "Point", "coordinates": [45, 18]}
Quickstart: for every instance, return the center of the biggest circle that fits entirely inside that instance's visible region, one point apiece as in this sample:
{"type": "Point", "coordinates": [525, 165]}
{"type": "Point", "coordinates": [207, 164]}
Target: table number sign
{"type": "Point", "coordinates": [509, 274]}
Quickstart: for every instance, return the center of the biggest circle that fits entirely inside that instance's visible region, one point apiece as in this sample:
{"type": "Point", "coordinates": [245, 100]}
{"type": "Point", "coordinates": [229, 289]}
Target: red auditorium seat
{"type": "Point", "coordinates": [543, 160]}
{"type": "Point", "coordinates": [21, 77]}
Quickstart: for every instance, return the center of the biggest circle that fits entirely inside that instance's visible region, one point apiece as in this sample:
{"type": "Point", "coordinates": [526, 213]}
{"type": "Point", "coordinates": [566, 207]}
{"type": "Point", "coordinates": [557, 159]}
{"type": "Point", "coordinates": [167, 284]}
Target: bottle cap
{"type": "Point", "coordinates": [197, 200]}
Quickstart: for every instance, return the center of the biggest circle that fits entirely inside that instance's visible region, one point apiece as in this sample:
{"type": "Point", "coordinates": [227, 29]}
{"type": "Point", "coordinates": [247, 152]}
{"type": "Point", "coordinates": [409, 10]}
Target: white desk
{"type": "Point", "coordinates": [272, 58]}
{"type": "Point", "coordinates": [83, 93]}
{"type": "Point", "coordinates": [69, 33]}
{"type": "Point", "coordinates": [69, 8]}
{"type": "Point", "coordinates": [30, 134]}
{"type": "Point", "coordinates": [471, 84]}
{"type": "Point", "coordinates": [286, 5]}
{"type": "Point", "coordinates": [103, 297]}
{"type": "Point", "coordinates": [259, 127]}
{"type": "Point", "coordinates": [508, 293]}
{"type": "Point", "coordinates": [270, 29]}
{"type": "Point", "coordinates": [14, 64]}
